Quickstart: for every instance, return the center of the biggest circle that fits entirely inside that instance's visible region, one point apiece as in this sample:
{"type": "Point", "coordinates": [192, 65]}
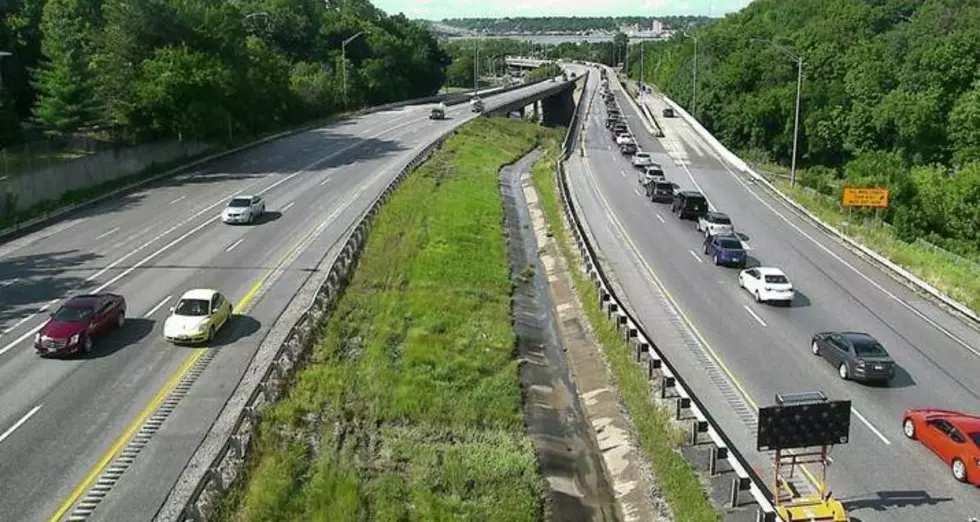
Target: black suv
{"type": "Point", "coordinates": [689, 204]}
{"type": "Point", "coordinates": [668, 113]}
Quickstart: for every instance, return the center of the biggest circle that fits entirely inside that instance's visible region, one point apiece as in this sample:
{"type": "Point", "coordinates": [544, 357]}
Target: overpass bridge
{"type": "Point", "coordinates": [553, 103]}
{"type": "Point", "coordinates": [525, 62]}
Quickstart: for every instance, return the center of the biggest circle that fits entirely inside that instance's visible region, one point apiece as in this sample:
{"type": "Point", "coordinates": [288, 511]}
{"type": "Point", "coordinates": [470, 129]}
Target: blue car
{"type": "Point", "coordinates": [726, 250]}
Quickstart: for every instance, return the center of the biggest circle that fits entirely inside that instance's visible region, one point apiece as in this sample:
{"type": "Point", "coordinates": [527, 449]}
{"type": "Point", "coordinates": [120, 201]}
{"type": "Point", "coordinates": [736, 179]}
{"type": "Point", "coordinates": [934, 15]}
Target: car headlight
{"type": "Point", "coordinates": [74, 339]}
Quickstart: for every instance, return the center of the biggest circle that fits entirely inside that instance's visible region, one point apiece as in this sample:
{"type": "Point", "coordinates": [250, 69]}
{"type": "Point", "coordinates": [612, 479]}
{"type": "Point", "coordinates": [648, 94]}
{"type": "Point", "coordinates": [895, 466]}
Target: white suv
{"type": "Point", "coordinates": [715, 224]}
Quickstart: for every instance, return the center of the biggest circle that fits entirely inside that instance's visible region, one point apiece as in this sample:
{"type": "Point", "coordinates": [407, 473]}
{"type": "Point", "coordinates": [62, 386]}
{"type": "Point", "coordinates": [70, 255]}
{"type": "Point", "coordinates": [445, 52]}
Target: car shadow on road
{"type": "Point", "coordinates": [752, 261]}
{"type": "Point", "coordinates": [133, 332]}
{"type": "Point", "coordinates": [902, 379]}
{"type": "Point", "coordinates": [35, 279]}
{"type": "Point", "coordinates": [884, 500]}
{"type": "Point", "coordinates": [238, 327]}
{"type": "Point", "coordinates": [800, 300]}
{"type": "Point", "coordinates": [267, 217]}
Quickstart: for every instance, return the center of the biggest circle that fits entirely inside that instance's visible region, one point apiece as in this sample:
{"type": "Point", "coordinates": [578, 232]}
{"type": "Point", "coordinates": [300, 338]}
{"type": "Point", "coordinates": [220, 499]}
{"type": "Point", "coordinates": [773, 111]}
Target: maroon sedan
{"type": "Point", "coordinates": [78, 322]}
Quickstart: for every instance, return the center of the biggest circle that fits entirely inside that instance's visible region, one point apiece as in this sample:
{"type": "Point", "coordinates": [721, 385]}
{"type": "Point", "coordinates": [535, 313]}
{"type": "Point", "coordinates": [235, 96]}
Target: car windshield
{"type": "Point", "coordinates": [730, 244]}
{"type": "Point", "coordinates": [71, 314]}
{"type": "Point", "coordinates": [720, 220]}
{"type": "Point", "coordinates": [777, 279]}
{"type": "Point", "coordinates": [975, 437]}
{"type": "Point", "coordinates": [239, 202]}
{"type": "Point", "coordinates": [868, 348]}
{"type": "Point", "coordinates": [663, 186]}
{"type": "Point", "coordinates": [192, 307]}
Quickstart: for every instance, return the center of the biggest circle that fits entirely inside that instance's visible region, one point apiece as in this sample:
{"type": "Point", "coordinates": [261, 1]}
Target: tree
{"type": "Point", "coordinates": [65, 82]}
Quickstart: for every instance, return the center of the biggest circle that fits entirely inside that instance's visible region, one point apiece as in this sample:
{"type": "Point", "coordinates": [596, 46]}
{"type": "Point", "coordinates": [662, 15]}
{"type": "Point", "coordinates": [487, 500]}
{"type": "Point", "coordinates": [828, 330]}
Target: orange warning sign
{"type": "Point", "coordinates": [865, 197]}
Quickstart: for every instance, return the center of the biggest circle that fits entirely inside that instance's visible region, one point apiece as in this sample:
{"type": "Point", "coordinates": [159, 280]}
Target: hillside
{"type": "Point", "coordinates": [891, 96]}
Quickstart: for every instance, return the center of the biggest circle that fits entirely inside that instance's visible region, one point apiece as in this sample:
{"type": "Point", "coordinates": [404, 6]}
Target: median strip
{"type": "Point", "coordinates": [410, 404]}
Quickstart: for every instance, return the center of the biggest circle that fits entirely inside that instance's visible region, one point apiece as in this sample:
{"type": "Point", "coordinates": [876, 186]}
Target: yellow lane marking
{"type": "Point", "coordinates": [687, 321]}
{"type": "Point", "coordinates": [168, 387]}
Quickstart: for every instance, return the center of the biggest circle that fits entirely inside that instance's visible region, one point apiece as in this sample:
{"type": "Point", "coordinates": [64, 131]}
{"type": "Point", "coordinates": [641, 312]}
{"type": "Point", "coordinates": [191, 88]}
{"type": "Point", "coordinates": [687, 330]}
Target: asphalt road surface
{"type": "Point", "coordinates": [58, 418]}
{"type": "Point", "coordinates": [737, 354]}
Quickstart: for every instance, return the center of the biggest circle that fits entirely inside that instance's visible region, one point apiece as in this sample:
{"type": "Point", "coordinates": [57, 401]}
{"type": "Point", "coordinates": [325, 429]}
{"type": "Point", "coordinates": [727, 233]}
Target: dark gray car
{"type": "Point", "coordinates": [856, 355]}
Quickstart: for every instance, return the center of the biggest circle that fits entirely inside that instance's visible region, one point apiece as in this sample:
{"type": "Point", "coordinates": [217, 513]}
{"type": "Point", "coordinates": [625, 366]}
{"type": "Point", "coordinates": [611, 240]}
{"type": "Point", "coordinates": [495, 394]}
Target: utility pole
{"type": "Point", "coordinates": [343, 58]}
{"type": "Point", "coordinates": [694, 82]}
{"type": "Point", "coordinates": [799, 90]}
{"type": "Point", "coordinates": [643, 77]}
{"type": "Point", "coordinates": [3, 54]}
{"type": "Point", "coordinates": [476, 67]}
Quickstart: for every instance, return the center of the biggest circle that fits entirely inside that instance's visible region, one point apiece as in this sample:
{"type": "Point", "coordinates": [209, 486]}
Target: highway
{"type": "Point", "coordinates": [737, 354]}
{"type": "Point", "coordinates": [59, 418]}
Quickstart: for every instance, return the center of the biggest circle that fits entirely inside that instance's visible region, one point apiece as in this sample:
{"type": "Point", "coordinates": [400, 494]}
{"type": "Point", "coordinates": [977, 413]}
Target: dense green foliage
{"type": "Point", "coordinates": [548, 70]}
{"type": "Point", "coordinates": [493, 51]}
{"type": "Point", "coordinates": [570, 23]}
{"type": "Point", "coordinates": [891, 96]}
{"type": "Point", "coordinates": [200, 68]}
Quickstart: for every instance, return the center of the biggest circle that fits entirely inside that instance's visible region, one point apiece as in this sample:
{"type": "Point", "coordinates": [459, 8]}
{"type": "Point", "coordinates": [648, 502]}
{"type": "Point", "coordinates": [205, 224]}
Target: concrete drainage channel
{"type": "Point", "coordinates": [108, 479]}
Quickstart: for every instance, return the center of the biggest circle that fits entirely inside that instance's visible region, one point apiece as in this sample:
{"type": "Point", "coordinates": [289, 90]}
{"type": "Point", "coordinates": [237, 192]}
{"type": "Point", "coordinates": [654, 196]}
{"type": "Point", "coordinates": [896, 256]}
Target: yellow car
{"type": "Point", "coordinates": [197, 316]}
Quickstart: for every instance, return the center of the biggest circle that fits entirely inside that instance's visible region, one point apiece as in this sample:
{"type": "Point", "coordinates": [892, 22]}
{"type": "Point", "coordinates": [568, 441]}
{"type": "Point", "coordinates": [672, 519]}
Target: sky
{"type": "Point", "coordinates": [440, 9]}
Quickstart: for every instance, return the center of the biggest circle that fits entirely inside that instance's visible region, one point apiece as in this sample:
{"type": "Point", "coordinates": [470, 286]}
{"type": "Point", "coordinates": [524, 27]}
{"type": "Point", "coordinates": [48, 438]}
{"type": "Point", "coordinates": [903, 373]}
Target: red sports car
{"type": "Point", "coordinates": [78, 322]}
{"type": "Point", "coordinates": [952, 435]}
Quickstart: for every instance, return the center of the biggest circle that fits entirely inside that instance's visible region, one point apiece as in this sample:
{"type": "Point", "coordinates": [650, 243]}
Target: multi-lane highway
{"type": "Point", "coordinates": [737, 353]}
{"type": "Point", "coordinates": [59, 418]}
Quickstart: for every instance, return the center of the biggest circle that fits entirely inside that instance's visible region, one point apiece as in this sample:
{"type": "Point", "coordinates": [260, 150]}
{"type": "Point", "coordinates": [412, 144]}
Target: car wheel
{"type": "Point", "coordinates": [717, 260]}
{"type": "Point", "coordinates": [758, 298]}
{"type": "Point", "coordinates": [741, 282]}
{"type": "Point", "coordinates": [87, 345]}
{"type": "Point", "coordinates": [842, 371]}
{"type": "Point", "coordinates": [908, 427]}
{"type": "Point", "coordinates": [210, 334]}
{"type": "Point", "coordinates": [959, 470]}
{"type": "Point", "coordinates": [815, 348]}
{"type": "Point", "coordinates": [121, 319]}
{"type": "Point", "coordinates": [705, 249]}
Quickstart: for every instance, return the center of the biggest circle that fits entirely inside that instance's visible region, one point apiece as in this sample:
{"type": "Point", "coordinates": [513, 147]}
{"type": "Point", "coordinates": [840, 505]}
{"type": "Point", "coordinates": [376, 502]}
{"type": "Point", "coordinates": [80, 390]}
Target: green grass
{"type": "Point", "coordinates": [410, 408]}
{"type": "Point", "coordinates": [659, 437]}
{"type": "Point", "coordinates": [954, 276]}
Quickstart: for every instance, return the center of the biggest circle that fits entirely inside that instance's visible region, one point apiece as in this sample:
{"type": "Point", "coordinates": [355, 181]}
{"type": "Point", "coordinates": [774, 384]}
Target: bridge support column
{"type": "Point", "coordinates": [557, 110]}
{"type": "Point", "coordinates": [536, 114]}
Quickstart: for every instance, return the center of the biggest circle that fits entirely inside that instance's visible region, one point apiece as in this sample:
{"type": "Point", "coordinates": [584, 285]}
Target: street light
{"type": "Point", "coordinates": [799, 85]}
{"type": "Point", "coordinates": [343, 58]}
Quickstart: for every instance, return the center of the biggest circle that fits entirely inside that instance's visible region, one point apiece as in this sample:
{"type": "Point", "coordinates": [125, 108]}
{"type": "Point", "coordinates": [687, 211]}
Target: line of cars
{"type": "Point", "coordinates": [196, 317]}
{"type": "Point", "coordinates": [951, 435]}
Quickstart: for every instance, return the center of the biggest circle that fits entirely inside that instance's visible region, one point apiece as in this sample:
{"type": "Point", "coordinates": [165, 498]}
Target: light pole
{"type": "Point", "coordinates": [799, 87]}
{"type": "Point", "coordinates": [476, 66]}
{"type": "Point", "coordinates": [343, 58]}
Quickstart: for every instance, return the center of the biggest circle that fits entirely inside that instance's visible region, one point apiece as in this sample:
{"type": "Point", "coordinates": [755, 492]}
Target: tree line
{"type": "Point", "coordinates": [145, 69]}
{"type": "Point", "coordinates": [890, 97]}
{"type": "Point", "coordinates": [493, 51]}
{"type": "Point", "coordinates": [570, 23]}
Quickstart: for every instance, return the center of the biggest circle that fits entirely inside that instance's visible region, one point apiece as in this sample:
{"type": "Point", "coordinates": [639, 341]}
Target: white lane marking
{"type": "Point", "coordinates": [324, 182]}
{"type": "Point", "coordinates": [10, 431]}
{"type": "Point", "coordinates": [754, 315]}
{"type": "Point", "coordinates": [9, 282]}
{"type": "Point", "coordinates": [695, 256]}
{"type": "Point", "coordinates": [157, 307]}
{"type": "Point", "coordinates": [106, 233]}
{"type": "Point", "coordinates": [854, 269]}
{"type": "Point", "coordinates": [168, 246]}
{"type": "Point", "coordinates": [285, 208]}
{"type": "Point", "coordinates": [235, 244]}
{"type": "Point", "coordinates": [661, 219]}
{"type": "Point", "coordinates": [870, 426]}
{"type": "Point", "coordinates": [177, 199]}
{"type": "Point", "coordinates": [28, 318]}
{"type": "Point", "coordinates": [637, 192]}
{"type": "Point", "coordinates": [622, 172]}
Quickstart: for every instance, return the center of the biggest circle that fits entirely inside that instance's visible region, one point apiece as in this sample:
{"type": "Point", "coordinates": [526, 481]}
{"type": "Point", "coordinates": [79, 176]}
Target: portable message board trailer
{"type": "Point", "coordinates": [810, 422]}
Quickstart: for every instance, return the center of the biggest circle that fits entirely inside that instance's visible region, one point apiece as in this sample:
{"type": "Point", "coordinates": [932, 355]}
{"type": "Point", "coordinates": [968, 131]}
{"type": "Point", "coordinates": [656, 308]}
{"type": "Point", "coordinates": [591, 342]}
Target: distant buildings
{"type": "Point", "coordinates": [656, 30]}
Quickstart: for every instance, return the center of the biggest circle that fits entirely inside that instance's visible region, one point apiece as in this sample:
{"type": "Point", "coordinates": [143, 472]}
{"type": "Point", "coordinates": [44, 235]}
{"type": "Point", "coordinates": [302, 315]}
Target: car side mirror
{"type": "Point", "coordinates": [214, 310]}
{"type": "Point", "coordinates": [172, 308]}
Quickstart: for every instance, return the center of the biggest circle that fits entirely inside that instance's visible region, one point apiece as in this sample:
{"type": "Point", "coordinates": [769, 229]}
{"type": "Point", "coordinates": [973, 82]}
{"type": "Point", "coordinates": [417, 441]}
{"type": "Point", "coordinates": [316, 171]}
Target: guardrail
{"type": "Point", "coordinates": [449, 99]}
{"type": "Point", "coordinates": [657, 365]}
{"type": "Point", "coordinates": [855, 245]}
{"type": "Point", "coordinates": [293, 352]}
{"type": "Point", "coordinates": [227, 464]}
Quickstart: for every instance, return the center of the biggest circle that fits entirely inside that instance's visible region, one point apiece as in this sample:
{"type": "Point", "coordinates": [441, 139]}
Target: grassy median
{"type": "Point", "coordinates": [659, 437]}
{"type": "Point", "coordinates": [955, 276]}
{"type": "Point", "coordinates": [411, 406]}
